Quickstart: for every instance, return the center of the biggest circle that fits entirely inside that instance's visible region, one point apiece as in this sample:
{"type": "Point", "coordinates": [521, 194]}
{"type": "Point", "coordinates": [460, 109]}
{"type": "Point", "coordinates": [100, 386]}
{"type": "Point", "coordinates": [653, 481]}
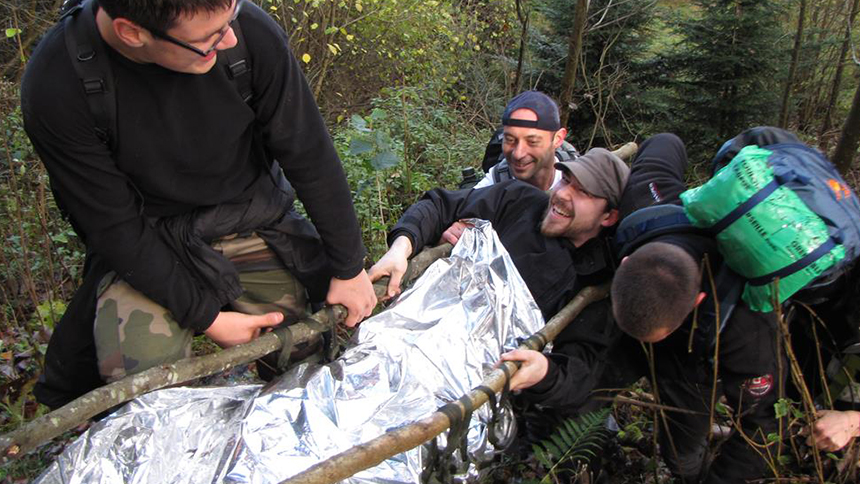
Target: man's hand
{"type": "Point", "coordinates": [834, 429]}
{"type": "Point", "coordinates": [452, 235]}
{"type": "Point", "coordinates": [356, 294]}
{"type": "Point", "coordinates": [533, 369]}
{"type": "Point", "coordinates": [393, 264]}
{"type": "Point", "coordinates": [231, 329]}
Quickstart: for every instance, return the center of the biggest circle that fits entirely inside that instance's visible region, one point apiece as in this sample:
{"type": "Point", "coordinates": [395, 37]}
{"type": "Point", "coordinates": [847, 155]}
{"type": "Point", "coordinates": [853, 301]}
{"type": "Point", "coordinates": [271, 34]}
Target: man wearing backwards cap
{"type": "Point", "coordinates": [557, 242]}
{"type": "Point", "coordinates": [531, 142]}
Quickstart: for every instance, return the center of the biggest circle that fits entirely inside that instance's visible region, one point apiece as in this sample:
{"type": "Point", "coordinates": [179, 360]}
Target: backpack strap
{"type": "Point", "coordinates": [728, 289]}
{"type": "Point", "coordinates": [89, 58]}
{"type": "Point", "coordinates": [566, 152]}
{"type": "Point", "coordinates": [650, 222]}
{"type": "Point", "coordinates": [502, 172]}
{"type": "Point", "coordinates": [237, 62]}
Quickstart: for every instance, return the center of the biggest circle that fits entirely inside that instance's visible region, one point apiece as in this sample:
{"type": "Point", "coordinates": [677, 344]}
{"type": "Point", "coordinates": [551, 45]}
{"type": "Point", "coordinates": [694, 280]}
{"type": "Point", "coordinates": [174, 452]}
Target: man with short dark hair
{"type": "Point", "coordinates": [663, 294]}
{"type": "Point", "coordinates": [659, 286]}
{"type": "Point", "coordinates": [180, 196]}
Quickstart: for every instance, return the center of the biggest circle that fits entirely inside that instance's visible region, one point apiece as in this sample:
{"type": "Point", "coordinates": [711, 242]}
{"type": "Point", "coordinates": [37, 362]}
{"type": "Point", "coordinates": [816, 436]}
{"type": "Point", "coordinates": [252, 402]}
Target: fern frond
{"type": "Point", "coordinates": [574, 441]}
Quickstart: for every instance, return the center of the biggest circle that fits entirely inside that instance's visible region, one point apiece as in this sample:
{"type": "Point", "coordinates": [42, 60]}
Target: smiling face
{"type": "Point", "coordinates": [574, 213]}
{"type": "Point", "coordinates": [530, 151]}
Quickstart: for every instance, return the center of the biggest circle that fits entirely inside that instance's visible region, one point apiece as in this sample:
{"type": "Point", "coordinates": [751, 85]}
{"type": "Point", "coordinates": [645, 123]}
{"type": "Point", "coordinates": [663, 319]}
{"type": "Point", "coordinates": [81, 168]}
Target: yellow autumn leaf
{"type": "Point", "coordinates": [314, 26]}
{"type": "Point", "coordinates": [306, 58]}
{"type": "Point", "coordinates": [358, 7]}
{"type": "Point", "coordinates": [332, 49]}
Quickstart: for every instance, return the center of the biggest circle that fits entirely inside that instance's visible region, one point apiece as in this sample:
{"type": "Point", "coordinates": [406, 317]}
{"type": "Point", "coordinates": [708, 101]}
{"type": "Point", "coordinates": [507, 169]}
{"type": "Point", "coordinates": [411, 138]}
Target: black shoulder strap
{"type": "Point", "coordinates": [238, 65]}
{"type": "Point", "coordinates": [649, 222]}
{"type": "Point", "coordinates": [89, 57]}
{"type": "Point", "coordinates": [728, 288]}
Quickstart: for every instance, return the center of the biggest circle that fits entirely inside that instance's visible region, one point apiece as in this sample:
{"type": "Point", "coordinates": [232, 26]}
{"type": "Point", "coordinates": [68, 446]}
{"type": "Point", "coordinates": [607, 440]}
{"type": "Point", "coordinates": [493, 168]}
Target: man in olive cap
{"type": "Point", "coordinates": [557, 241]}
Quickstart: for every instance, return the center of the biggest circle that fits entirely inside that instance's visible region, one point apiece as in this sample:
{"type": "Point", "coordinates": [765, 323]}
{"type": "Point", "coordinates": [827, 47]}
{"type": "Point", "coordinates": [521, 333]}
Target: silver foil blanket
{"type": "Point", "coordinates": [433, 345]}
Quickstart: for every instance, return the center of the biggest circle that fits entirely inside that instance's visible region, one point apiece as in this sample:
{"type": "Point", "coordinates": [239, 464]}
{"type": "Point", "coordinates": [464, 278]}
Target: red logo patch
{"type": "Point", "coordinates": [759, 386]}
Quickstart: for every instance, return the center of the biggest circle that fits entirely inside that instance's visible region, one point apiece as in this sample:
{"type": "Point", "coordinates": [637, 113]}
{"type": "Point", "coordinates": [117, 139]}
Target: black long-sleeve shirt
{"type": "Point", "coordinates": [184, 141]}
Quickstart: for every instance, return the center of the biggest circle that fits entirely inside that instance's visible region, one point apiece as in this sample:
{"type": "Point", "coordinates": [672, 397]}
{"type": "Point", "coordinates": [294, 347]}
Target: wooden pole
{"type": "Point", "coordinates": [373, 452]}
{"type": "Point", "coordinates": [31, 435]}
{"type": "Point", "coordinates": [627, 151]}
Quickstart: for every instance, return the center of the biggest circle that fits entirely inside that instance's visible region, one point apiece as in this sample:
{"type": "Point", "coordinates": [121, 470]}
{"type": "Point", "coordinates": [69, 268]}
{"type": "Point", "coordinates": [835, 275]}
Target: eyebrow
{"type": "Point", "coordinates": [235, 5]}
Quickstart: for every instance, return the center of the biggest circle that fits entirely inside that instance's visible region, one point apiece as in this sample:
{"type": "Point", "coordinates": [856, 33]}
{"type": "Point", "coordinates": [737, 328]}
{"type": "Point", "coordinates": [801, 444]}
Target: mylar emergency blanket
{"type": "Point", "coordinates": [432, 346]}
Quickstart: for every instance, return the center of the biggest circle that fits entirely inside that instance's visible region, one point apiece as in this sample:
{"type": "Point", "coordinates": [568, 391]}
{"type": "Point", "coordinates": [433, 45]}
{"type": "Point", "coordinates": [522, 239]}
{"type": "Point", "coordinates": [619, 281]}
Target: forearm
{"type": "Point", "coordinates": [424, 222]}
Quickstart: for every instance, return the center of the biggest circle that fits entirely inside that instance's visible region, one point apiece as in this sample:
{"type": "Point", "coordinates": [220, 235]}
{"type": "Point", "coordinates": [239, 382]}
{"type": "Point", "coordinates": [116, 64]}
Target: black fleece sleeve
{"type": "Point", "coordinates": [295, 134]}
{"type": "Point", "coordinates": [99, 198]}
{"type": "Point", "coordinates": [500, 204]}
{"type": "Point", "coordinates": [577, 359]}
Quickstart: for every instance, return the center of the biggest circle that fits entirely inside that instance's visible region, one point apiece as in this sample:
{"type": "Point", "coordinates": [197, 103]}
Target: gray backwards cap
{"type": "Point", "coordinates": [600, 173]}
{"type": "Point", "coordinates": [542, 105]}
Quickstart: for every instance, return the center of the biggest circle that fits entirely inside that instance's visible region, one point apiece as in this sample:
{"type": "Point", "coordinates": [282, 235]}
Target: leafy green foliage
{"type": "Point", "coordinates": [409, 143]}
{"type": "Point", "coordinates": [785, 407]}
{"type": "Point", "coordinates": [574, 442]}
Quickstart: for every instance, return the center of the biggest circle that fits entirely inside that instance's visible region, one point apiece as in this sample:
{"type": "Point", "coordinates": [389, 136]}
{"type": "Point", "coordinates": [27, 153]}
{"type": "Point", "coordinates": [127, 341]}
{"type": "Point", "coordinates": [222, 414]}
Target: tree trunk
{"type": "Point", "coordinates": [846, 149]}
{"type": "Point", "coordinates": [574, 49]}
{"type": "Point", "coordinates": [792, 70]}
{"type": "Point", "coordinates": [827, 122]}
{"type": "Point", "coordinates": [523, 16]}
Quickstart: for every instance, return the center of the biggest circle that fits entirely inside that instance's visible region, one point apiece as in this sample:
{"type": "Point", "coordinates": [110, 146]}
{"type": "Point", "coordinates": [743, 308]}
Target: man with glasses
{"type": "Point", "coordinates": [183, 201]}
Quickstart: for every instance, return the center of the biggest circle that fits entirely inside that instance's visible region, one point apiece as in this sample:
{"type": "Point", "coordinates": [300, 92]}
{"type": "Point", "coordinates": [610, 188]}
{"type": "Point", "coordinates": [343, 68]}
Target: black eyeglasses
{"type": "Point", "coordinates": [202, 53]}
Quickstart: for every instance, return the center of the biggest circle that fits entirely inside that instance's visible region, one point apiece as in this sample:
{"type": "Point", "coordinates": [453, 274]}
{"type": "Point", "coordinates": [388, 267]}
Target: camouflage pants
{"type": "Point", "coordinates": [134, 333]}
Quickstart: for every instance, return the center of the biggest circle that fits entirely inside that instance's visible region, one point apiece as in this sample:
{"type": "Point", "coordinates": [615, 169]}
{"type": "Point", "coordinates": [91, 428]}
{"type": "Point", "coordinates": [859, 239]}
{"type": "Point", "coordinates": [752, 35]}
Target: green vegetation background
{"type": "Point", "coordinates": [412, 90]}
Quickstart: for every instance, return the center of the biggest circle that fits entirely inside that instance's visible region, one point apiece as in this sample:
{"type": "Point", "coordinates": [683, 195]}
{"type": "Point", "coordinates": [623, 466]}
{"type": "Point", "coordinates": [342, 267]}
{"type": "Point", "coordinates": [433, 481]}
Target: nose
{"type": "Point", "coordinates": [229, 41]}
{"type": "Point", "coordinates": [564, 192]}
{"type": "Point", "coordinates": [519, 151]}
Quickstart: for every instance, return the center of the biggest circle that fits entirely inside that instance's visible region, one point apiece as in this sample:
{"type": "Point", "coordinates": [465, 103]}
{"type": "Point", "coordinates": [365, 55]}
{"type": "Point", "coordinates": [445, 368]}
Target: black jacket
{"type": "Point", "coordinates": [685, 372]}
{"type": "Point", "coordinates": [185, 145]}
{"type": "Point", "coordinates": [552, 268]}
{"type": "Point", "coordinates": [184, 141]}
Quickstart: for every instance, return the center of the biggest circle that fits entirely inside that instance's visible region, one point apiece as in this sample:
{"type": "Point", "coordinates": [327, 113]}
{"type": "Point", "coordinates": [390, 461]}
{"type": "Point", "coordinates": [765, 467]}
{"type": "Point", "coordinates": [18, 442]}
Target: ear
{"type": "Point", "coordinates": [611, 218]}
{"type": "Point", "coordinates": [558, 137]}
{"type": "Point", "coordinates": [699, 299]}
{"type": "Point", "coordinates": [130, 33]}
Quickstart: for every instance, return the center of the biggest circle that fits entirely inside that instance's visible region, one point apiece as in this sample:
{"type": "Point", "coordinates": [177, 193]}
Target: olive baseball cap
{"type": "Point", "coordinates": [542, 105]}
{"type": "Point", "coordinates": [600, 173]}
